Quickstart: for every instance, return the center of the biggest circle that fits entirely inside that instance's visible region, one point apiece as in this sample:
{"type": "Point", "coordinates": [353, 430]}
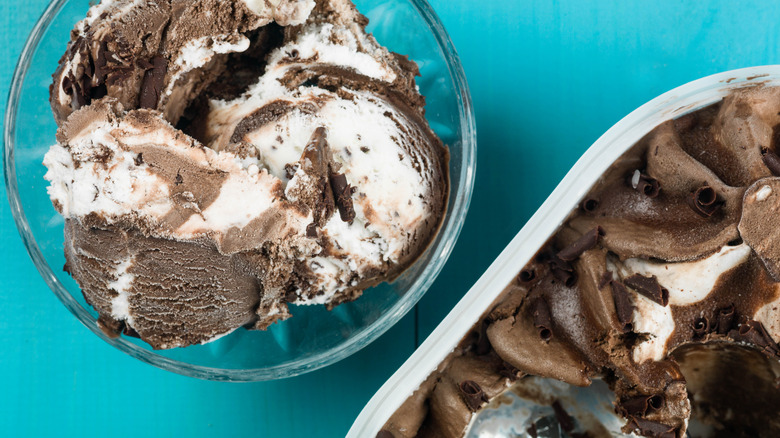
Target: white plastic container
{"type": "Point", "coordinates": [541, 226]}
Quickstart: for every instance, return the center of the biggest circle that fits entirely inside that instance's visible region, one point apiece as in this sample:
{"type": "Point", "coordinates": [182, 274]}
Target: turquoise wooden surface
{"type": "Point", "coordinates": [547, 77]}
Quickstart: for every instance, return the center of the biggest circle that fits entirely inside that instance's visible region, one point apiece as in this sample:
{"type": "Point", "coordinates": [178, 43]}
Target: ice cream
{"type": "Point", "coordinates": [219, 160]}
{"type": "Point", "coordinates": [663, 284]}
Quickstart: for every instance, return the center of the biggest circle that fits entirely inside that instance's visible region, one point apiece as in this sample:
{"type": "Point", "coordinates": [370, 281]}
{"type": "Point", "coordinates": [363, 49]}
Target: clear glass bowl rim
{"type": "Point", "coordinates": [458, 205]}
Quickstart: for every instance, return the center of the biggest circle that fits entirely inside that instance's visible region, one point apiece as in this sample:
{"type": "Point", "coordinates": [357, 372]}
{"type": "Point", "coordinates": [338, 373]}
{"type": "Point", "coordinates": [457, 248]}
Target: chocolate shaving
{"type": "Point", "coordinates": [563, 271]}
{"type": "Point", "coordinates": [342, 193]}
{"type": "Point", "coordinates": [542, 319]}
{"type": "Point", "coordinates": [472, 394]}
{"type": "Point", "coordinates": [589, 205]}
{"type": "Point", "coordinates": [652, 429]}
{"type": "Point", "coordinates": [641, 406]}
{"type": "Point", "coordinates": [623, 306]}
{"type": "Point", "coordinates": [526, 275]}
{"type": "Point", "coordinates": [643, 183]}
{"type": "Point", "coordinates": [755, 333]}
{"type": "Point", "coordinates": [152, 84]}
{"type": "Point", "coordinates": [772, 161]}
{"type": "Point", "coordinates": [649, 287]}
{"type": "Point", "coordinates": [584, 243]}
{"type": "Point", "coordinates": [725, 319]}
{"type": "Point", "coordinates": [704, 201]}
{"type": "Point", "coordinates": [701, 326]}
{"type": "Point", "coordinates": [311, 230]}
{"type": "Point", "coordinates": [563, 417]}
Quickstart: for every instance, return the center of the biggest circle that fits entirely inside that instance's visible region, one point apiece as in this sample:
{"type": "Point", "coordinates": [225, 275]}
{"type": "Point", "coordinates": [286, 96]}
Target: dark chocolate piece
{"type": "Point", "coordinates": [589, 205]}
{"type": "Point", "coordinates": [342, 193]}
{"type": "Point", "coordinates": [623, 306]}
{"type": "Point", "coordinates": [565, 420]}
{"type": "Point", "coordinates": [641, 406]}
{"type": "Point", "coordinates": [532, 431]}
{"type": "Point", "coordinates": [652, 429]}
{"type": "Point", "coordinates": [526, 275]}
{"type": "Point", "coordinates": [755, 333]}
{"type": "Point", "coordinates": [563, 271]}
{"type": "Point", "coordinates": [311, 230]}
{"type": "Point", "coordinates": [704, 201]}
{"type": "Point", "coordinates": [725, 319]}
{"type": "Point", "coordinates": [473, 394]}
{"type": "Point", "coordinates": [153, 82]}
{"type": "Point", "coordinates": [542, 319]}
{"type": "Point", "coordinates": [771, 160]}
{"type": "Point", "coordinates": [643, 183]}
{"type": "Point", "coordinates": [649, 287]}
{"type": "Point", "coordinates": [579, 246]}
{"type": "Point", "coordinates": [701, 326]}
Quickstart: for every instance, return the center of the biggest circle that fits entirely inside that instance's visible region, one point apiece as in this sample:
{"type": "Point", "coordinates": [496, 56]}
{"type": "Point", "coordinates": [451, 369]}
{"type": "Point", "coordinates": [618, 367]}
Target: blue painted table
{"type": "Point", "coordinates": [547, 76]}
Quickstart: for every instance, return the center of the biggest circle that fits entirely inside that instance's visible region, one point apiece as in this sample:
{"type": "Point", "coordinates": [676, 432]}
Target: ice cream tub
{"type": "Point", "coordinates": [544, 223]}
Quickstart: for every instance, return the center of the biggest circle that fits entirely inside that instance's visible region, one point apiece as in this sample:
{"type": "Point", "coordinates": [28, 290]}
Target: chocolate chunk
{"type": "Point", "coordinates": [641, 406]}
{"type": "Point", "coordinates": [532, 431]}
{"type": "Point", "coordinates": [589, 205]}
{"type": "Point", "coordinates": [772, 161]}
{"type": "Point", "coordinates": [542, 319]}
{"type": "Point", "coordinates": [153, 82]}
{"type": "Point", "coordinates": [139, 159]}
{"type": "Point", "coordinates": [584, 243]}
{"type": "Point", "coordinates": [652, 428]}
{"type": "Point", "coordinates": [311, 230]}
{"type": "Point", "coordinates": [342, 193]}
{"type": "Point", "coordinates": [643, 183]}
{"type": "Point", "coordinates": [565, 420]}
{"type": "Point", "coordinates": [526, 275]}
{"type": "Point", "coordinates": [623, 306]}
{"type": "Point", "coordinates": [291, 296]}
{"type": "Point", "coordinates": [649, 287]}
{"type": "Point", "coordinates": [472, 394]}
{"type": "Point", "coordinates": [755, 333]}
{"type": "Point", "coordinates": [384, 434]}
{"type": "Point", "coordinates": [701, 326]}
{"type": "Point", "coordinates": [725, 319]}
{"type": "Point", "coordinates": [563, 271]}
{"type": "Point", "coordinates": [704, 201]}
{"type": "Point", "coordinates": [606, 279]}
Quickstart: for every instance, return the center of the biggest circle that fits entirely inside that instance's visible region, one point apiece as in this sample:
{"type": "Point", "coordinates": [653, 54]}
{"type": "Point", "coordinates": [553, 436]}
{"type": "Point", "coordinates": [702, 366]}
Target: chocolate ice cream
{"type": "Point", "coordinates": [219, 160]}
{"type": "Point", "coordinates": [664, 284]}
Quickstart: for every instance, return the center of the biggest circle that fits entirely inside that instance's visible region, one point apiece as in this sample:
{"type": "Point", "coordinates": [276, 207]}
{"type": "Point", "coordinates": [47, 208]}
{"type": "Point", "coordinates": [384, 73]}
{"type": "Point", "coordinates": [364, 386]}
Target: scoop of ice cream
{"type": "Point", "coordinates": [662, 283]}
{"type": "Point", "coordinates": [159, 54]}
{"type": "Point", "coordinates": [299, 169]}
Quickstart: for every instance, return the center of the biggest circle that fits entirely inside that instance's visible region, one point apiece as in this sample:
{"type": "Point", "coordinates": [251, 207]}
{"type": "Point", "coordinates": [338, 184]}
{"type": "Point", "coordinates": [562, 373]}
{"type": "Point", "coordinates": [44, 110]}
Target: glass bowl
{"type": "Point", "coordinates": [313, 337]}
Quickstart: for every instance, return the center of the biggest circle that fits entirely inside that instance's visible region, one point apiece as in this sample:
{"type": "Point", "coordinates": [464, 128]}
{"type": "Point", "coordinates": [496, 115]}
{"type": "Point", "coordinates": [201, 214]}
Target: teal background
{"type": "Point", "coordinates": [547, 77]}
